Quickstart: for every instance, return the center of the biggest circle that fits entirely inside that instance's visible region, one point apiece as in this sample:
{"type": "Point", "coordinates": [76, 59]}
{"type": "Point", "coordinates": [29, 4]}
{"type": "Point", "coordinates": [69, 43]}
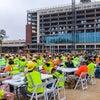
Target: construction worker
{"type": "Point", "coordinates": [91, 67]}
{"type": "Point", "coordinates": [6, 95]}
{"type": "Point", "coordinates": [39, 60]}
{"type": "Point", "coordinates": [56, 75]}
{"type": "Point", "coordinates": [48, 66]}
{"type": "Point", "coordinates": [34, 60]}
{"type": "Point", "coordinates": [82, 68]}
{"type": "Point", "coordinates": [16, 60]}
{"type": "Point", "coordinates": [32, 78]}
{"type": "Point", "coordinates": [12, 68]}
{"type": "Point", "coordinates": [22, 64]}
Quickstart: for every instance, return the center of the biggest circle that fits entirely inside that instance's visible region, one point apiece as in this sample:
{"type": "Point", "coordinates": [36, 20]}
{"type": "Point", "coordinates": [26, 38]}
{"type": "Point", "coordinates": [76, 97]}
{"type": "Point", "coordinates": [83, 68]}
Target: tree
{"type": "Point", "coordinates": [2, 36]}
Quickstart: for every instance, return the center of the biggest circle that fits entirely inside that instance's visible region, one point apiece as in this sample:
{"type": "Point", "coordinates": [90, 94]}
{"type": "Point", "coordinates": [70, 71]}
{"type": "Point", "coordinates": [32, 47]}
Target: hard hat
{"type": "Point", "coordinates": [10, 58]}
{"type": "Point", "coordinates": [23, 58]}
{"type": "Point", "coordinates": [30, 66]}
{"type": "Point", "coordinates": [52, 69]}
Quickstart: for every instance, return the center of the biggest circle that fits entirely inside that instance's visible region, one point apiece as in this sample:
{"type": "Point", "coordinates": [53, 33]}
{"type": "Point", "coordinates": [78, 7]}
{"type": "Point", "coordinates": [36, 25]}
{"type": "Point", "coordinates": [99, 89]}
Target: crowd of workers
{"type": "Point", "coordinates": [31, 64]}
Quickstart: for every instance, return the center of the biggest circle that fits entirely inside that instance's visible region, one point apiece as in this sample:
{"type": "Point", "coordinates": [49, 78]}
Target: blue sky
{"type": "Point", "coordinates": [13, 14]}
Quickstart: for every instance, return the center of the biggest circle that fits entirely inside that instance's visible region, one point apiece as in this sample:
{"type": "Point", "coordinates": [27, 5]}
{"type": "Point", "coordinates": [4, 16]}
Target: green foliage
{"type": "Point", "coordinates": [2, 35]}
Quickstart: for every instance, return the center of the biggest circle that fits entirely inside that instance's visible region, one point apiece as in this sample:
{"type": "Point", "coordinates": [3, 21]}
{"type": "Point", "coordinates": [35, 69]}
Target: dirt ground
{"type": "Point", "coordinates": [92, 93]}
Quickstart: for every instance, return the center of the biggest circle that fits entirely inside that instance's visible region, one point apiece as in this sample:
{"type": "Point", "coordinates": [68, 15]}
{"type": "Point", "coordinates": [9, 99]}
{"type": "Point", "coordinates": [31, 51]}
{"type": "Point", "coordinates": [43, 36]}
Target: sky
{"type": "Point", "coordinates": [13, 14]}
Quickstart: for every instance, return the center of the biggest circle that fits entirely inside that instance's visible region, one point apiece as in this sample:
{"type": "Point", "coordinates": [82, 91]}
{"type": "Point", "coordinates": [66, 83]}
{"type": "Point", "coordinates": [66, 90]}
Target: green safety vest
{"type": "Point", "coordinates": [75, 63]}
{"type": "Point", "coordinates": [34, 78]}
{"type": "Point", "coordinates": [16, 61]}
{"type": "Point", "coordinates": [40, 62]}
{"type": "Point", "coordinates": [1, 94]}
{"type": "Point", "coordinates": [22, 65]}
{"type": "Point", "coordinates": [63, 58]}
{"type": "Point", "coordinates": [14, 69]}
{"type": "Point", "coordinates": [2, 62]}
{"type": "Point", "coordinates": [35, 65]}
{"type": "Point", "coordinates": [48, 68]}
{"type": "Point", "coordinates": [59, 75]}
{"type": "Point", "coordinates": [91, 68]}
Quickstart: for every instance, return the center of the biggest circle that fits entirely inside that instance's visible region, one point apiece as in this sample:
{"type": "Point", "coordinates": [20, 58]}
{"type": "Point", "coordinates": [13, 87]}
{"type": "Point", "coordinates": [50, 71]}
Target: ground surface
{"type": "Point", "coordinates": [92, 93]}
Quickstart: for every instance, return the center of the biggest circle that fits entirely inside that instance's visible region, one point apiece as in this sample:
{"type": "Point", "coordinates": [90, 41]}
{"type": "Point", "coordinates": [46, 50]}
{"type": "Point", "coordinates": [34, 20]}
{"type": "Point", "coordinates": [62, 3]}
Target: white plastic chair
{"type": "Point", "coordinates": [82, 80]}
{"type": "Point", "coordinates": [58, 89]}
{"type": "Point", "coordinates": [37, 96]}
{"type": "Point", "coordinates": [50, 92]}
{"type": "Point", "coordinates": [91, 77]}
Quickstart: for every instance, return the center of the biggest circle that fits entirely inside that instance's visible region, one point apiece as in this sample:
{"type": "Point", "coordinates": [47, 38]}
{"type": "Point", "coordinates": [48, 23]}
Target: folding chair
{"type": "Point", "coordinates": [50, 91]}
{"type": "Point", "coordinates": [37, 96]}
{"type": "Point", "coordinates": [59, 89]}
{"type": "Point", "coordinates": [83, 80]}
{"type": "Point", "coordinates": [91, 77]}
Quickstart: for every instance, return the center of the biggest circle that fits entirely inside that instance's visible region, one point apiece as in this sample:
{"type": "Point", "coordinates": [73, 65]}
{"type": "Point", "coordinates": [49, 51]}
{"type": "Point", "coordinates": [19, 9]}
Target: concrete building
{"type": "Point", "coordinates": [13, 45]}
{"type": "Point", "coordinates": [51, 28]}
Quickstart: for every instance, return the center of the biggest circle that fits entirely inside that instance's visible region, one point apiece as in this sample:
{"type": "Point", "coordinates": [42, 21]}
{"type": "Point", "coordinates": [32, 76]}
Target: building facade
{"type": "Point", "coordinates": [51, 28]}
{"type": "Point", "coordinates": [13, 46]}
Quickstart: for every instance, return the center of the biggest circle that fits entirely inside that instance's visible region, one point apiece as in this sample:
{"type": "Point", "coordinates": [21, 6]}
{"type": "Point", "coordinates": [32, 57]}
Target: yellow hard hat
{"type": "Point", "coordinates": [30, 66]}
{"type": "Point", "coordinates": [51, 69]}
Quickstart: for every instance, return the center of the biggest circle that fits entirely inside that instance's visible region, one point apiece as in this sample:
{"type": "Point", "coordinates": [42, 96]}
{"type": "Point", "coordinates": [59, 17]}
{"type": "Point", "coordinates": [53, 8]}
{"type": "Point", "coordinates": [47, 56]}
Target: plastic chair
{"type": "Point", "coordinates": [59, 89]}
{"type": "Point", "coordinates": [50, 92]}
{"type": "Point", "coordinates": [83, 80]}
{"type": "Point", "coordinates": [37, 96]}
{"type": "Point", "coordinates": [91, 77]}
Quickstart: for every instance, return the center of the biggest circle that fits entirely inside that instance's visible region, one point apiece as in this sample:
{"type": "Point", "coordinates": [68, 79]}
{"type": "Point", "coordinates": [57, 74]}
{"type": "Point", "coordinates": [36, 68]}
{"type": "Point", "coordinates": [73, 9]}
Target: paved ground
{"type": "Point", "coordinates": [92, 93]}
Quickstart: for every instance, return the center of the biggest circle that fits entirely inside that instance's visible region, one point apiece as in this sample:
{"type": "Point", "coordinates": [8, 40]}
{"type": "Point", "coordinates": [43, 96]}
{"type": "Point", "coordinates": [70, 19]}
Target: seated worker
{"type": "Point", "coordinates": [12, 68]}
{"type": "Point", "coordinates": [56, 75]}
{"type": "Point", "coordinates": [48, 66]}
{"type": "Point", "coordinates": [32, 78]}
{"type": "Point", "coordinates": [76, 61]}
{"type": "Point", "coordinates": [69, 63]}
{"type": "Point", "coordinates": [4, 90]}
{"type": "Point", "coordinates": [34, 60]}
{"type": "Point", "coordinates": [91, 67]}
{"type": "Point", "coordinates": [58, 61]}
{"type": "Point", "coordinates": [82, 68]}
{"type": "Point", "coordinates": [6, 95]}
{"type": "Point", "coordinates": [22, 64]}
{"type": "Point", "coordinates": [16, 60]}
{"type": "Point", "coordinates": [72, 79]}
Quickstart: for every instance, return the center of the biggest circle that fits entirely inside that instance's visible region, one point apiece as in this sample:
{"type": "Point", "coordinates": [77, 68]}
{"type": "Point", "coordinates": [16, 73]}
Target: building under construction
{"type": "Point", "coordinates": [52, 28]}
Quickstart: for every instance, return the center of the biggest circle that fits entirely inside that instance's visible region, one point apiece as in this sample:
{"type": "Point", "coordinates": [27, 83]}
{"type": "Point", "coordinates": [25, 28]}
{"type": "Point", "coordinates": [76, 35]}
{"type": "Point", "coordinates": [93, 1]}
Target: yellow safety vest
{"type": "Point", "coordinates": [14, 69]}
{"type": "Point", "coordinates": [34, 78]}
{"type": "Point", "coordinates": [1, 94]}
{"type": "Point", "coordinates": [59, 75]}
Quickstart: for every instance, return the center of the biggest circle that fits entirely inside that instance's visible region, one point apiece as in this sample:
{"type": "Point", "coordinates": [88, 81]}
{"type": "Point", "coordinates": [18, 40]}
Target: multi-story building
{"type": "Point", "coordinates": [52, 28]}
{"type": "Point", "coordinates": [13, 46]}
